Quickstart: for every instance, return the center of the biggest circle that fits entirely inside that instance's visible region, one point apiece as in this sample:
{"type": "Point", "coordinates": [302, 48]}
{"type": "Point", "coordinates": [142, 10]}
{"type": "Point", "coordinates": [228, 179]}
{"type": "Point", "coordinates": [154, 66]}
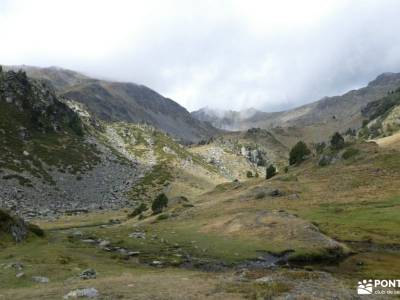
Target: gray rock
{"type": "Point", "coordinates": [17, 266]}
{"type": "Point", "coordinates": [104, 243]}
{"type": "Point", "coordinates": [41, 279]}
{"type": "Point", "coordinates": [88, 274]}
{"type": "Point", "coordinates": [82, 293]}
{"type": "Point", "coordinates": [89, 241]}
{"type": "Point", "coordinates": [264, 279]}
{"type": "Point", "coordinates": [156, 263]}
{"type": "Point", "coordinates": [294, 197]}
{"type": "Point", "coordinates": [76, 233]}
{"type": "Point", "coordinates": [138, 235]}
{"type": "Point", "coordinates": [276, 193]}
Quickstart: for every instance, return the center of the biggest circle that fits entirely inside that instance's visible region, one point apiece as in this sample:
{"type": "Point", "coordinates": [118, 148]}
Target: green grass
{"type": "Point", "coordinates": [207, 246]}
{"type": "Point", "coordinates": [350, 152]}
{"type": "Point", "coordinates": [55, 257]}
{"type": "Point", "coordinates": [256, 291]}
{"type": "Point", "coordinates": [390, 161]}
{"type": "Point", "coordinates": [378, 221]}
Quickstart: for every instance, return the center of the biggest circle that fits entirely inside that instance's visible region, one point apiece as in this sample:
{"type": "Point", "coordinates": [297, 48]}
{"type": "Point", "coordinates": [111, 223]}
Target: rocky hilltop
{"type": "Point", "coordinates": [127, 102]}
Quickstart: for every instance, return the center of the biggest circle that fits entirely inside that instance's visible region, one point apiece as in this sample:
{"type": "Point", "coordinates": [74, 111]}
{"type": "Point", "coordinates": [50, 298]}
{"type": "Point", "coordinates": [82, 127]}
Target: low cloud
{"type": "Point", "coordinates": [224, 54]}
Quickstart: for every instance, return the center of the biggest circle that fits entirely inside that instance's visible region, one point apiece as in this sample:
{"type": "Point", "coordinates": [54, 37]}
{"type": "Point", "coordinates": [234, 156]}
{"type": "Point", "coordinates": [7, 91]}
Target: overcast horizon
{"type": "Point", "coordinates": [234, 55]}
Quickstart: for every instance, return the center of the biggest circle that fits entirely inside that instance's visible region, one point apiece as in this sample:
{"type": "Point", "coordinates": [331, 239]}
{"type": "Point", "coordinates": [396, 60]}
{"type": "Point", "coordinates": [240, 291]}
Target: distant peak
{"type": "Point", "coordinates": [385, 78]}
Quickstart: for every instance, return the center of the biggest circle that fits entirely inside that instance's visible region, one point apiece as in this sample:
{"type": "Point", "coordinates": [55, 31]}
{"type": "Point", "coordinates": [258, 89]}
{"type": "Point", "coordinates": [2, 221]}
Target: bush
{"type": "Point", "coordinates": [337, 141]}
{"type": "Point", "coordinates": [325, 160]}
{"type": "Point", "coordinates": [162, 217]}
{"type": "Point", "coordinates": [138, 210]}
{"type": "Point", "coordinates": [159, 203]}
{"type": "Point", "coordinates": [319, 147]}
{"type": "Point", "coordinates": [271, 172]}
{"type": "Point", "coordinates": [298, 153]}
{"type": "Point", "coordinates": [350, 153]}
{"type": "Point", "coordinates": [249, 174]}
{"type": "Point", "coordinates": [36, 229]}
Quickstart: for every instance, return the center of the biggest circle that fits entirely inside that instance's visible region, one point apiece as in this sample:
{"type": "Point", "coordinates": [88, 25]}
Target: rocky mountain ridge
{"type": "Point", "coordinates": [127, 102]}
{"type": "Point", "coordinates": [58, 158]}
{"type": "Point", "coordinates": [336, 113]}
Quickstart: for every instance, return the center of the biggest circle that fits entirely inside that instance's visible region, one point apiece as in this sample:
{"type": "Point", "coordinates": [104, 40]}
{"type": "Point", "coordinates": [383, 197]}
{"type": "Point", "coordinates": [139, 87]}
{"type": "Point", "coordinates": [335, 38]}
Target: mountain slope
{"type": "Point", "coordinates": [129, 102]}
{"type": "Point", "coordinates": [113, 101]}
{"type": "Point", "coordinates": [55, 157]}
{"type": "Point", "coordinates": [49, 160]}
{"type": "Point", "coordinates": [319, 118]}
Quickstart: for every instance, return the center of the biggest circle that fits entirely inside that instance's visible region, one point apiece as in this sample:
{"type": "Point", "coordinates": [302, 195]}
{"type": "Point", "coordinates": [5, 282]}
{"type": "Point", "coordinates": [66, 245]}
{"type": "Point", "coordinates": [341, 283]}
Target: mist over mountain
{"type": "Point", "coordinates": [332, 113]}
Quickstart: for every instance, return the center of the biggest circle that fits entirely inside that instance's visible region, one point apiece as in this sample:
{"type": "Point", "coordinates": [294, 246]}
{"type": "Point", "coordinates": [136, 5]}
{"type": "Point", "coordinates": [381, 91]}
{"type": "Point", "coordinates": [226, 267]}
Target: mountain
{"type": "Point", "coordinates": [382, 117]}
{"type": "Point", "coordinates": [56, 157]}
{"type": "Point", "coordinates": [91, 188]}
{"type": "Point", "coordinates": [129, 102]}
{"type": "Point", "coordinates": [320, 118]}
{"type": "Point", "coordinates": [49, 160]}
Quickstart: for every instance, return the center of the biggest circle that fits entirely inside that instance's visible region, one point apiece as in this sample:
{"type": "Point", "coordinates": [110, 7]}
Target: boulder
{"type": "Point", "coordinates": [41, 279]}
{"type": "Point", "coordinates": [82, 293]}
{"type": "Point", "coordinates": [88, 274]}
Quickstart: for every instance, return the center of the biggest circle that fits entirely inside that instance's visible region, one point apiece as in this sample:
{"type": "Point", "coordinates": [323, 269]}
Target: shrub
{"type": "Point", "coordinates": [36, 229]}
{"type": "Point", "coordinates": [162, 217]}
{"type": "Point", "coordinates": [324, 160]}
{"type": "Point", "coordinates": [271, 172]}
{"type": "Point", "coordinates": [319, 147]}
{"type": "Point", "coordinates": [298, 153]}
{"type": "Point", "coordinates": [138, 210]}
{"type": "Point", "coordinates": [159, 203]}
{"type": "Point", "coordinates": [337, 141]}
{"type": "Point", "coordinates": [260, 195]}
{"type": "Point", "coordinates": [350, 153]}
{"type": "Point", "coordinates": [249, 174]}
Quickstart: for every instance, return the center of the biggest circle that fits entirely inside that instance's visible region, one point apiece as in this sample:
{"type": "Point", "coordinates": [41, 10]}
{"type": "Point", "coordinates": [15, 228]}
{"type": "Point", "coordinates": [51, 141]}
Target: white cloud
{"type": "Point", "coordinates": [226, 54]}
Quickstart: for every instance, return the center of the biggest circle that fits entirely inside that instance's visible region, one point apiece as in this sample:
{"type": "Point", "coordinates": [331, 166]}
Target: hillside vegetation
{"type": "Point", "coordinates": [124, 210]}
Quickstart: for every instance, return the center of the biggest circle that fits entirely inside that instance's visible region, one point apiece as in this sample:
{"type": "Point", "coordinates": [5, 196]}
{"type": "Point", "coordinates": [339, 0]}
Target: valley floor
{"type": "Point", "coordinates": [311, 233]}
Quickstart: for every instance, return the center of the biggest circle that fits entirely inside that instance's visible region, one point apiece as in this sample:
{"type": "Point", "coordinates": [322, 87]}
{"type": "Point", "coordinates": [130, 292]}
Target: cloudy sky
{"type": "Point", "coordinates": [232, 54]}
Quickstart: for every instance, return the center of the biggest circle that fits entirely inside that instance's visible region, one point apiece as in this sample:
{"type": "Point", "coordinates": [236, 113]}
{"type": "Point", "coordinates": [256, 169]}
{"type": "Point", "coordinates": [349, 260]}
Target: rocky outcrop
{"type": "Point", "coordinates": [128, 102]}
{"type": "Point", "coordinates": [53, 158]}
{"type": "Point", "coordinates": [43, 109]}
{"type": "Point", "coordinates": [16, 228]}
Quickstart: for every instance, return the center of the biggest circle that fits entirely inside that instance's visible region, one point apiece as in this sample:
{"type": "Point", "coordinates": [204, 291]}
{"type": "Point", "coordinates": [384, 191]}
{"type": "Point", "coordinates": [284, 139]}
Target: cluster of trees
{"type": "Point", "coordinates": [300, 152]}
{"type": "Point", "coordinates": [157, 206]}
